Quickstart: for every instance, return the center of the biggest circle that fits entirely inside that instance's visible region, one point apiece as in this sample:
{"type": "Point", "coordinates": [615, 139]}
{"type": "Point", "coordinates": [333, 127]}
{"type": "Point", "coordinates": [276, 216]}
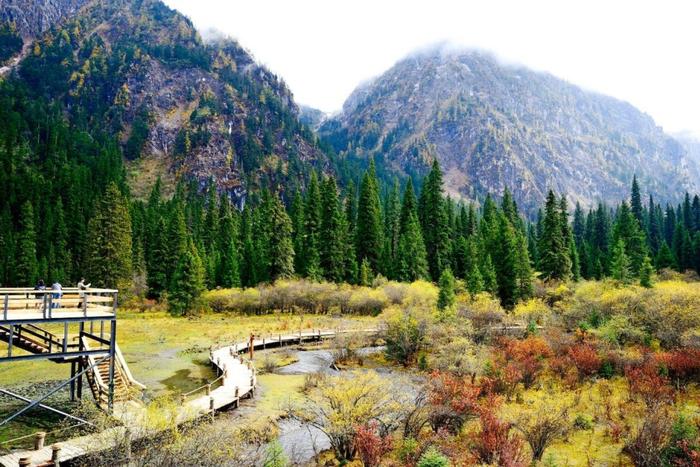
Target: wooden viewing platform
{"type": "Point", "coordinates": [237, 380]}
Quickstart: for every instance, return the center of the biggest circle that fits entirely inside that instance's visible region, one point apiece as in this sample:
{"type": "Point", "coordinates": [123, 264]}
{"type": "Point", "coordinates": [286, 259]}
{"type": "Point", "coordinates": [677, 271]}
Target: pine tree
{"type": "Point", "coordinates": [555, 262]}
{"type": "Point", "coordinates": [392, 230]}
{"type": "Point", "coordinates": [620, 263]}
{"type": "Point", "coordinates": [7, 245]}
{"type": "Point", "coordinates": [488, 272]}
{"type": "Point", "coordinates": [365, 273]}
{"type": "Point", "coordinates": [411, 260]}
{"type": "Point", "coordinates": [368, 237]}
{"type": "Point", "coordinates": [156, 273]}
{"type": "Point", "coordinates": [645, 274]}
{"type": "Point", "coordinates": [446, 295]}
{"type": "Point", "coordinates": [228, 271]}
{"type": "Point", "coordinates": [296, 213]}
{"type": "Point", "coordinates": [60, 269]}
{"type": "Point", "coordinates": [249, 269]}
{"type": "Point", "coordinates": [176, 237]}
{"type": "Point", "coordinates": [578, 227]}
{"type": "Point", "coordinates": [636, 202]}
{"type": "Point", "coordinates": [333, 235]}
{"type": "Point", "coordinates": [281, 249]}
{"type": "Point", "coordinates": [505, 262]}
{"type": "Point", "coordinates": [434, 221]}
{"type": "Point", "coordinates": [109, 259]}
{"type": "Point", "coordinates": [523, 269]}
{"type": "Point", "coordinates": [312, 228]}
{"type": "Point", "coordinates": [665, 258]}
{"type": "Point", "coordinates": [188, 281]}
{"type": "Point", "coordinates": [26, 265]}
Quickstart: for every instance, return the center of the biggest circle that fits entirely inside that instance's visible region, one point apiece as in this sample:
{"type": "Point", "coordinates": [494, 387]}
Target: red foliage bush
{"type": "Point", "coordinates": [683, 364]}
{"type": "Point", "coordinates": [528, 356]}
{"type": "Point", "coordinates": [585, 358]}
{"type": "Point", "coordinates": [453, 399]}
{"type": "Point", "coordinates": [370, 445]}
{"type": "Point", "coordinates": [494, 444]}
{"type": "Point", "coordinates": [646, 382]}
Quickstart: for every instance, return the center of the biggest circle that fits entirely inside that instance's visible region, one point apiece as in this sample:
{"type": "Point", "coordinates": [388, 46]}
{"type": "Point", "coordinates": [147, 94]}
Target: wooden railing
{"type": "Point", "coordinates": [30, 304]}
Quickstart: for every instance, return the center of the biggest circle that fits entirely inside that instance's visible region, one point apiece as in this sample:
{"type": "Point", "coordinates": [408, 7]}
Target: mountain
{"type": "Point", "coordinates": [311, 117]}
{"type": "Point", "coordinates": [32, 18]}
{"type": "Point", "coordinates": [492, 126]}
{"type": "Point", "coordinates": [178, 107]}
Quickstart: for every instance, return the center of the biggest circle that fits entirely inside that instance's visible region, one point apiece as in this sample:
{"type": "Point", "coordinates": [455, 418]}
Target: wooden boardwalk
{"type": "Point", "coordinates": [238, 380]}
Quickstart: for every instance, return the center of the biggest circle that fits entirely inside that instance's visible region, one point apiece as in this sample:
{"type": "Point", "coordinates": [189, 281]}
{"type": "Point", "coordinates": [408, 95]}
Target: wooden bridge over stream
{"type": "Point", "coordinates": [111, 382]}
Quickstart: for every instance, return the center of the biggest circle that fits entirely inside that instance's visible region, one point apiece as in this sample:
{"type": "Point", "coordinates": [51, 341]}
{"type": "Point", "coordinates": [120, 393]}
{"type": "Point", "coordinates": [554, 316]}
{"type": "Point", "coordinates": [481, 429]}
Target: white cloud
{"type": "Point", "coordinates": [641, 51]}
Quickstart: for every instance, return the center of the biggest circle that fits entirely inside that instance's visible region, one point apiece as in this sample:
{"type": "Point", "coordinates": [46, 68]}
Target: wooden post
{"type": "Point", "coordinates": [263, 343]}
{"type": "Point", "coordinates": [208, 389]}
{"type": "Point", "coordinates": [251, 346]}
{"type": "Point", "coordinates": [55, 452]}
{"type": "Point", "coordinates": [182, 398]}
{"type": "Point", "coordinates": [24, 462]}
{"type": "Point", "coordinates": [235, 393]}
{"type": "Point", "coordinates": [211, 407]}
{"type": "Point", "coordinates": [39, 439]}
{"type": "Point", "coordinates": [6, 306]}
{"type": "Point", "coordinates": [280, 340]}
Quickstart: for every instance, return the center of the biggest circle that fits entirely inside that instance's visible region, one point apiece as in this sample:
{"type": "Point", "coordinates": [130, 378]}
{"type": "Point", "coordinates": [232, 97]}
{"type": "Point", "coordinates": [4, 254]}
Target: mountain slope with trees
{"type": "Point", "coordinates": [494, 126]}
{"type": "Point", "coordinates": [137, 71]}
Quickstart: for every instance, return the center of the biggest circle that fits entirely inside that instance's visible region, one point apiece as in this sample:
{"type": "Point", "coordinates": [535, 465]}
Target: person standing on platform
{"type": "Point", "coordinates": [57, 293]}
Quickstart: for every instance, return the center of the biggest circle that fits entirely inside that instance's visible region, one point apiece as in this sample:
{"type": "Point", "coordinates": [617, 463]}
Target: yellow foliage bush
{"type": "Point", "coordinates": [533, 310]}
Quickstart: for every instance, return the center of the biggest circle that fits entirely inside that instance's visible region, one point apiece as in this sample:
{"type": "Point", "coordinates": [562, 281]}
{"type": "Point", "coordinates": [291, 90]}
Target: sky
{"type": "Point", "coordinates": [644, 52]}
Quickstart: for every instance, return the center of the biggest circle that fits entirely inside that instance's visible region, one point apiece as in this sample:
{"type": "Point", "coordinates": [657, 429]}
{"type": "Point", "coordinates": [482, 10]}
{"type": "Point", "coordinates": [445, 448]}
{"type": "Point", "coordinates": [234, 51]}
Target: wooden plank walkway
{"type": "Point", "coordinates": [238, 380]}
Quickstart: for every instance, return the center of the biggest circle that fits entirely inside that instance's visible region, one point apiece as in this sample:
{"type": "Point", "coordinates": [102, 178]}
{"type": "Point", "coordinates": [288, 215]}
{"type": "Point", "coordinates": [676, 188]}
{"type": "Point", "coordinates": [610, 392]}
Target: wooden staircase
{"type": "Point", "coordinates": [33, 339]}
{"type": "Point", "coordinates": [125, 386]}
{"type": "Point", "coordinates": [36, 340]}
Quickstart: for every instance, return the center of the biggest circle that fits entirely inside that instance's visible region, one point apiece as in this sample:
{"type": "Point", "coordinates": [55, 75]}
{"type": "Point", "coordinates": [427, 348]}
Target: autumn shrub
{"type": "Point", "coordinates": [370, 444]}
{"type": "Point", "coordinates": [683, 365]}
{"type": "Point", "coordinates": [495, 443]}
{"type": "Point", "coordinates": [542, 421]}
{"type": "Point", "coordinates": [364, 301]}
{"type": "Point", "coordinates": [585, 358]}
{"type": "Point", "coordinates": [646, 447]}
{"type": "Point", "coordinates": [666, 311]}
{"type": "Point", "coordinates": [405, 337]}
{"type": "Point", "coordinates": [408, 451]}
{"type": "Point", "coordinates": [527, 355]}
{"type": "Point", "coordinates": [453, 400]}
{"type": "Point", "coordinates": [500, 377]}
{"type": "Point", "coordinates": [646, 382]}
{"type": "Point", "coordinates": [484, 312]}
{"type": "Point", "coordinates": [534, 310]}
{"type": "Point", "coordinates": [684, 446]}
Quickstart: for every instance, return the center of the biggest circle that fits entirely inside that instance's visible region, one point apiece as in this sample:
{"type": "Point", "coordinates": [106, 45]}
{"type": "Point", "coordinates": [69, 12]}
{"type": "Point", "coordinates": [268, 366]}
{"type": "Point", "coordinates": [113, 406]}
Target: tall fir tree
{"type": "Point", "coordinates": [312, 230]}
{"type": "Point", "coordinates": [368, 235]}
{"type": "Point", "coordinates": [187, 283]}
{"type": "Point", "coordinates": [333, 235]}
{"type": "Point", "coordinates": [109, 258]}
{"type": "Point", "coordinates": [26, 264]}
{"type": "Point", "coordinates": [555, 262]}
{"type": "Point", "coordinates": [281, 249]}
{"type": "Point", "coordinates": [434, 221]}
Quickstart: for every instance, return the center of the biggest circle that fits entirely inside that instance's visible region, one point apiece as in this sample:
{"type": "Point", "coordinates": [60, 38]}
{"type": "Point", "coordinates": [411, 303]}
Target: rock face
{"type": "Point", "coordinates": [33, 17]}
{"type": "Point", "coordinates": [180, 108]}
{"type": "Point", "coordinates": [493, 126]}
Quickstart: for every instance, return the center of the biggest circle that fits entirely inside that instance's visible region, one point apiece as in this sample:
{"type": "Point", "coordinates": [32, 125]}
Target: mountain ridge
{"type": "Point", "coordinates": [177, 105]}
{"type": "Point", "coordinates": [494, 126]}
